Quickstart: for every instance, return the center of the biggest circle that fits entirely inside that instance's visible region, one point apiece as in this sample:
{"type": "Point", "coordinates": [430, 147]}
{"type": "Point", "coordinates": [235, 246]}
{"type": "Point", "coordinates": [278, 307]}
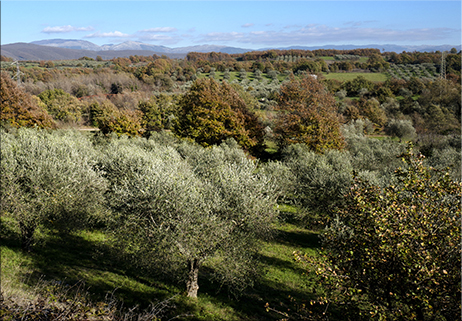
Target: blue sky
{"type": "Point", "coordinates": [245, 24]}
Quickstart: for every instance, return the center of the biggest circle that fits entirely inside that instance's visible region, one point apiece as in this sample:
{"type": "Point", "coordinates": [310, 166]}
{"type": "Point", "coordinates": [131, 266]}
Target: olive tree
{"type": "Point", "coordinates": [49, 179]}
{"type": "Point", "coordinates": [320, 180]}
{"type": "Point", "coordinates": [400, 128]}
{"type": "Point", "coordinates": [182, 209]}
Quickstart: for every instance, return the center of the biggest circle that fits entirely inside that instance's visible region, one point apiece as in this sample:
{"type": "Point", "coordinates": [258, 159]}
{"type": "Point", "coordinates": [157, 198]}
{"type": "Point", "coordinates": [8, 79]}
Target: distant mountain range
{"type": "Point", "coordinates": [134, 45]}
{"type": "Point", "coordinates": [62, 49]}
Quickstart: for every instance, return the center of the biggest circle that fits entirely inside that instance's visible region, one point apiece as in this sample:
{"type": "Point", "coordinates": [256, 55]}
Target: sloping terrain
{"type": "Point", "coordinates": [27, 51]}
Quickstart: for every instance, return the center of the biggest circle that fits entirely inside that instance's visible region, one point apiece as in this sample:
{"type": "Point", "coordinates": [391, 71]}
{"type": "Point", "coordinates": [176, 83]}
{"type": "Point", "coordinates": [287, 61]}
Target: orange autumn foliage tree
{"type": "Point", "coordinates": [211, 112]}
{"type": "Point", "coordinates": [308, 115]}
{"type": "Point", "coordinates": [18, 109]}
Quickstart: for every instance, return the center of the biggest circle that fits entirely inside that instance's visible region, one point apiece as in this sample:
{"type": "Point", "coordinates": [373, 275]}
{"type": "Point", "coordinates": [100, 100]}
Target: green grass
{"type": "Point", "coordinates": [87, 257]}
{"type": "Point", "coordinates": [415, 97]}
{"type": "Point", "coordinates": [327, 58]}
{"type": "Point", "coordinates": [345, 76]}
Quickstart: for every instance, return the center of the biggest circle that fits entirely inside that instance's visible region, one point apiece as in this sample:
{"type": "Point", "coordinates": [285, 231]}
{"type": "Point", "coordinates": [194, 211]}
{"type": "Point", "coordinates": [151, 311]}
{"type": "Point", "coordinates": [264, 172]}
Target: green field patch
{"type": "Point", "coordinates": [345, 76]}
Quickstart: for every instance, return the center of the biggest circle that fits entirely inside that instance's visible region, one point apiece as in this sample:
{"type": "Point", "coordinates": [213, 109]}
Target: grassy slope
{"type": "Point", "coordinates": [344, 76]}
{"type": "Point", "coordinates": [85, 256]}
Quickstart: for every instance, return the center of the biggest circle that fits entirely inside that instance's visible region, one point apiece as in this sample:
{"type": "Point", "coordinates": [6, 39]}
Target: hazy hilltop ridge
{"type": "Point", "coordinates": [134, 45]}
{"type": "Point", "coordinates": [27, 51]}
{"type": "Point", "coordinates": [56, 49]}
{"type": "Point", "coordinates": [68, 43]}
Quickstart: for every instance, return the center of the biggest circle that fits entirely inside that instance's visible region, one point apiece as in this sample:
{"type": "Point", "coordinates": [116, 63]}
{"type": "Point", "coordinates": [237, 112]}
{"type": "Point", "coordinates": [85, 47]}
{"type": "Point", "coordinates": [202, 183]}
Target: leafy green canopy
{"type": "Point", "coordinates": [395, 253]}
{"type": "Point", "coordinates": [109, 119]}
{"type": "Point", "coordinates": [61, 105]}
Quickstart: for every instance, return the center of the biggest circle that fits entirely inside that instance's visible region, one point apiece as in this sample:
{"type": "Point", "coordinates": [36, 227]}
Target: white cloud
{"type": "Point", "coordinates": [247, 25]}
{"type": "Point", "coordinates": [222, 37]}
{"type": "Point", "coordinates": [158, 34]}
{"type": "Point", "coordinates": [160, 29]}
{"type": "Point", "coordinates": [65, 29]}
{"type": "Point", "coordinates": [358, 23]}
{"type": "Point", "coordinates": [292, 26]}
{"type": "Point", "coordinates": [115, 34]}
{"type": "Point", "coordinates": [161, 38]}
{"type": "Point", "coordinates": [155, 37]}
{"type": "Point", "coordinates": [321, 34]}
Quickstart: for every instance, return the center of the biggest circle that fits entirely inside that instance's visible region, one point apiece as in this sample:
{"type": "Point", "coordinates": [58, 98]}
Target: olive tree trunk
{"type": "Point", "coordinates": [192, 285]}
{"type": "Point", "coordinates": [27, 237]}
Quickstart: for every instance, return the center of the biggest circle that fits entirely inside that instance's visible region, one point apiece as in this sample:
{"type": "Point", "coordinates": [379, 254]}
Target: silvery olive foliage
{"type": "Point", "coordinates": [283, 178]}
{"type": "Point", "coordinates": [447, 159]}
{"type": "Point", "coordinates": [320, 179]}
{"type": "Point", "coordinates": [376, 157]}
{"type": "Point", "coordinates": [49, 179]}
{"type": "Point", "coordinates": [183, 209]}
{"type": "Point", "coordinates": [400, 128]}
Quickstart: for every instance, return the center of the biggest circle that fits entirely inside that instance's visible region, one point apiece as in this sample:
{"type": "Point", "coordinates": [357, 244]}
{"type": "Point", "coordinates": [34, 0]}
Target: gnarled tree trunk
{"type": "Point", "coordinates": [27, 237]}
{"type": "Point", "coordinates": [192, 285]}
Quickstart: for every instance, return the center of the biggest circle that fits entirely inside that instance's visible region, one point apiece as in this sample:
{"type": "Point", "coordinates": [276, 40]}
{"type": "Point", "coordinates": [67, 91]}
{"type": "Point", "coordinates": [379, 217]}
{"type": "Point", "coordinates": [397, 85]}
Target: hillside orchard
{"type": "Point", "coordinates": [193, 182]}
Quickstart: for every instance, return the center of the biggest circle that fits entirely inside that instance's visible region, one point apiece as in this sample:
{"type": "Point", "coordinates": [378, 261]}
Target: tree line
{"type": "Point", "coordinates": [300, 109]}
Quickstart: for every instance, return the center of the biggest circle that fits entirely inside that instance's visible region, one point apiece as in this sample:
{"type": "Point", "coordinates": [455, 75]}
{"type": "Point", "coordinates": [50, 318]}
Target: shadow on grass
{"type": "Point", "coordinates": [299, 239]}
{"type": "Point", "coordinates": [8, 235]}
{"type": "Point", "coordinates": [72, 259]}
{"type": "Point", "coordinates": [251, 305]}
{"type": "Point", "coordinates": [274, 262]}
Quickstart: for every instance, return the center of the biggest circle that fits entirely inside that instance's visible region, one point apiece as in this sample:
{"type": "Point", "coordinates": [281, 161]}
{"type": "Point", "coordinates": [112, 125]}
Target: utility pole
{"type": "Point", "coordinates": [443, 66]}
{"type": "Point", "coordinates": [18, 73]}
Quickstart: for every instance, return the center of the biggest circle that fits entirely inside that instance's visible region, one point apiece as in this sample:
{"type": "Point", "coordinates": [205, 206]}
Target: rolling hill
{"type": "Point", "coordinates": [27, 51]}
{"type": "Point", "coordinates": [63, 49]}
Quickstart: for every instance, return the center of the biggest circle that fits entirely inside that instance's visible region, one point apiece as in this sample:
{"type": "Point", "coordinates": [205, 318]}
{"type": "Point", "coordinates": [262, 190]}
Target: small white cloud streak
{"type": "Point", "coordinates": [155, 37]}
{"type": "Point", "coordinates": [115, 34]}
{"type": "Point", "coordinates": [319, 34]}
{"type": "Point", "coordinates": [292, 26]}
{"type": "Point", "coordinates": [162, 39]}
{"type": "Point", "coordinates": [160, 29]}
{"type": "Point", "coordinates": [65, 29]}
{"type": "Point", "coordinates": [358, 23]}
{"type": "Point", "coordinates": [247, 25]}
